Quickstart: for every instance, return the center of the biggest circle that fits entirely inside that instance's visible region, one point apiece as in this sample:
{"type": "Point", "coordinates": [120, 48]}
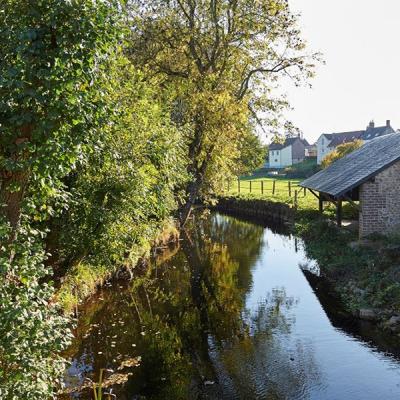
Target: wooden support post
{"type": "Point", "coordinates": [295, 199]}
{"type": "Point", "coordinates": [339, 212]}
{"type": "Point", "coordinates": [290, 189]}
{"type": "Point", "coordinates": [250, 186]}
{"type": "Point", "coordinates": [262, 187]}
{"type": "Point", "coordinates": [238, 185]}
{"type": "Point", "coordinates": [273, 188]}
{"type": "Point", "coordinates": [305, 192]}
{"type": "Point", "coordinates": [321, 204]}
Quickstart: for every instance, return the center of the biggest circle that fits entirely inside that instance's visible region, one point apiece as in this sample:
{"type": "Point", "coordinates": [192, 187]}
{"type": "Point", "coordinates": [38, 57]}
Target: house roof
{"type": "Point", "coordinates": [373, 132]}
{"type": "Point", "coordinates": [343, 137]}
{"type": "Point", "coordinates": [370, 133]}
{"type": "Point", "coordinates": [357, 167]}
{"type": "Point", "coordinates": [288, 142]}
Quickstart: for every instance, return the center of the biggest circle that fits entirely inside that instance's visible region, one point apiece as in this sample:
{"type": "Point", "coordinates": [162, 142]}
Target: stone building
{"type": "Point", "coordinates": [370, 176]}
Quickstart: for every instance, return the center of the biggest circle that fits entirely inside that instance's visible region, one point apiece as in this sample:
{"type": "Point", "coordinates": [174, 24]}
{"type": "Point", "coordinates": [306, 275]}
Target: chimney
{"type": "Point", "coordinates": [371, 125]}
{"type": "Point", "coordinates": [388, 123]}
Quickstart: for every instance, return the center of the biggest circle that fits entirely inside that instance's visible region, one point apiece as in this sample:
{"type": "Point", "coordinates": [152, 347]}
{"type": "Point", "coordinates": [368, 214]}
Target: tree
{"type": "Point", "coordinates": [341, 151]}
{"type": "Point", "coordinates": [220, 60]}
{"type": "Point", "coordinates": [53, 58]}
{"type": "Point", "coordinates": [253, 155]}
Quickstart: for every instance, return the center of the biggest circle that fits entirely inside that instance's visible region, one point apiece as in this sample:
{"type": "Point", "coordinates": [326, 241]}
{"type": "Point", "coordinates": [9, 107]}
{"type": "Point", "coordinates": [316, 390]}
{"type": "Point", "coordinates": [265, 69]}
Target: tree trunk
{"type": "Point", "coordinates": [13, 183]}
{"type": "Point", "coordinates": [11, 199]}
{"type": "Point", "coordinates": [186, 209]}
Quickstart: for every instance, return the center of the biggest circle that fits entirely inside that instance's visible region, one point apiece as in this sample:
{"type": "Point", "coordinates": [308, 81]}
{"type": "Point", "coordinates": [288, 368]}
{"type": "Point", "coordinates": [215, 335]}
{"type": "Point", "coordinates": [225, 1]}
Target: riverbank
{"type": "Point", "coordinates": [364, 273]}
{"type": "Point", "coordinates": [84, 279]}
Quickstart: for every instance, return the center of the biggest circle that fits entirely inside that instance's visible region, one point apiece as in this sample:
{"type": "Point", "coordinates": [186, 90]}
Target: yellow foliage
{"type": "Point", "coordinates": [341, 151]}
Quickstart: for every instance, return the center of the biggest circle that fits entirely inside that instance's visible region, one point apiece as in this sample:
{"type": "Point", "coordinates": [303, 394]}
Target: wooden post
{"type": "Point", "coordinates": [305, 192]}
{"type": "Point", "coordinates": [238, 185]}
{"type": "Point", "coordinates": [321, 204]}
{"type": "Point", "coordinates": [295, 199]}
{"type": "Point", "coordinates": [339, 212]}
{"type": "Point", "coordinates": [290, 189]}
{"type": "Point", "coordinates": [262, 187]}
{"type": "Point", "coordinates": [250, 186]}
{"type": "Point", "coordinates": [273, 188]}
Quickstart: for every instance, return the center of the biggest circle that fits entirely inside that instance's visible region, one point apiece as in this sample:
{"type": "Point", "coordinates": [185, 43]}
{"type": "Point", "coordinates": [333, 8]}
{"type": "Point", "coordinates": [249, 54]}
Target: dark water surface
{"type": "Point", "coordinates": [233, 314]}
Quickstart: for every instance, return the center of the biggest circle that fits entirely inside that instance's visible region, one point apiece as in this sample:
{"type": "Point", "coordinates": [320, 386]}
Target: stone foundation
{"type": "Point", "coordinates": [279, 212]}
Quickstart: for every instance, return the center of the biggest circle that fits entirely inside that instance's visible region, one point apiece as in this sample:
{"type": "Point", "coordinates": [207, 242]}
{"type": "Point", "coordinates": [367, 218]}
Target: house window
{"type": "Point", "coordinates": [272, 152]}
{"type": "Point", "coordinates": [276, 160]}
{"type": "Point", "coordinates": [322, 141]}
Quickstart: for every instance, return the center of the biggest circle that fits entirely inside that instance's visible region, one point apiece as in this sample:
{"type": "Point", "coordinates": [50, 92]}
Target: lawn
{"type": "Point", "coordinates": [273, 189]}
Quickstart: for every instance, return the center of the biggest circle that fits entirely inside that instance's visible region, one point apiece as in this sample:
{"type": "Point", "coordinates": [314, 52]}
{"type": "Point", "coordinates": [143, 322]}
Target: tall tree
{"type": "Point", "coordinates": [52, 58]}
{"type": "Point", "coordinates": [223, 58]}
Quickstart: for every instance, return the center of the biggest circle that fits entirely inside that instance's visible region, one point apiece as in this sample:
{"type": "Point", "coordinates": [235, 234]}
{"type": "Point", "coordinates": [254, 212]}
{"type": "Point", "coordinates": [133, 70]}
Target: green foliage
{"type": "Point", "coordinates": [32, 331]}
{"type": "Point", "coordinates": [252, 155]}
{"type": "Point", "coordinates": [128, 187]}
{"type": "Point", "coordinates": [54, 58]}
{"type": "Point", "coordinates": [302, 170]}
{"type": "Point", "coordinates": [341, 151]}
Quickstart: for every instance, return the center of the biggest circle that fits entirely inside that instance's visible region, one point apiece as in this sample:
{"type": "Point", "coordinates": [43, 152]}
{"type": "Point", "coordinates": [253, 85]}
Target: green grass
{"type": "Point", "coordinates": [263, 189]}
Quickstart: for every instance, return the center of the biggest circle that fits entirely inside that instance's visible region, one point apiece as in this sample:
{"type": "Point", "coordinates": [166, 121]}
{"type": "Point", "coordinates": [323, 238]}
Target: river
{"type": "Point", "coordinates": [237, 311]}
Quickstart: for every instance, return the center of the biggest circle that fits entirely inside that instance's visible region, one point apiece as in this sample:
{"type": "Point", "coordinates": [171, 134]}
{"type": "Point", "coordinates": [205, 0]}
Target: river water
{"type": "Point", "coordinates": [232, 313]}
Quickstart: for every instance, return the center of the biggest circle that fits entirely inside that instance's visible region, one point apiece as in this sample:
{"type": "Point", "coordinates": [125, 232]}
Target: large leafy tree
{"type": "Point", "coordinates": [223, 58]}
{"type": "Point", "coordinates": [53, 57]}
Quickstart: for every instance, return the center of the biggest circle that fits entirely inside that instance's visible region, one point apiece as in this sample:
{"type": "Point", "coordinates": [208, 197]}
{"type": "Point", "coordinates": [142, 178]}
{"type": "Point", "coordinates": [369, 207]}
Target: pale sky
{"type": "Point", "coordinates": [360, 40]}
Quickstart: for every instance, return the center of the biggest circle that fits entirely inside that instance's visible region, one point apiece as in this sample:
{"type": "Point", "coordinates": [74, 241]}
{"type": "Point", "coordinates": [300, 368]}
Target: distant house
{"type": "Point", "coordinates": [292, 151]}
{"type": "Point", "coordinates": [328, 141]}
{"type": "Point", "coordinates": [370, 175]}
{"type": "Point", "coordinates": [311, 151]}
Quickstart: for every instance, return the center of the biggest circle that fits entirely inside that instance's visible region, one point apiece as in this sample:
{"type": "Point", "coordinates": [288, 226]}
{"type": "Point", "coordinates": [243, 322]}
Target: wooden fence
{"type": "Point", "coordinates": [268, 187]}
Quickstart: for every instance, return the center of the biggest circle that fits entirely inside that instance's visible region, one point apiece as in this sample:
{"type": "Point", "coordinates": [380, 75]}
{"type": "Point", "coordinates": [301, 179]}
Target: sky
{"type": "Point", "coordinates": [360, 42]}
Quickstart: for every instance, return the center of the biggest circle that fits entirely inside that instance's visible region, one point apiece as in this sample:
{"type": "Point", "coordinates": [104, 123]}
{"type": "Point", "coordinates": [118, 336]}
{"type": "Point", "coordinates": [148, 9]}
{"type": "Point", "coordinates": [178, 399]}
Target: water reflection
{"type": "Point", "coordinates": [229, 316]}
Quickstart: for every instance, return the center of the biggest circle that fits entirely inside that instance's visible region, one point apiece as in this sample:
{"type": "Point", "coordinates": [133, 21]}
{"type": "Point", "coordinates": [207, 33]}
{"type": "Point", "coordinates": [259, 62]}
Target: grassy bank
{"type": "Point", "coordinates": [366, 273]}
{"type": "Point", "coordinates": [83, 279]}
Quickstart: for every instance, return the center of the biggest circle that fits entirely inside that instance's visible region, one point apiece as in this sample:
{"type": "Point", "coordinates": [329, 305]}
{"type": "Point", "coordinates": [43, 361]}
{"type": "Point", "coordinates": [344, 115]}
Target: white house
{"type": "Point", "coordinates": [327, 142]}
{"type": "Point", "coordinates": [292, 151]}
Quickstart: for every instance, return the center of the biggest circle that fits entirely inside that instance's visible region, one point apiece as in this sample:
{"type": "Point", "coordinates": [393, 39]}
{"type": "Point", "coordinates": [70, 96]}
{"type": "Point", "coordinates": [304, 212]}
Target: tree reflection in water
{"type": "Point", "coordinates": [198, 330]}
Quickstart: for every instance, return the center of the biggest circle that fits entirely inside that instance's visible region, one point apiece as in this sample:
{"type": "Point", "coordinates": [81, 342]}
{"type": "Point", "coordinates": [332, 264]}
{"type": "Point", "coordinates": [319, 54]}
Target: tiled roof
{"type": "Point", "coordinates": [288, 142]}
{"type": "Point", "coordinates": [276, 146]}
{"type": "Point", "coordinates": [357, 167]}
{"type": "Point", "coordinates": [370, 133]}
{"type": "Point", "coordinates": [343, 137]}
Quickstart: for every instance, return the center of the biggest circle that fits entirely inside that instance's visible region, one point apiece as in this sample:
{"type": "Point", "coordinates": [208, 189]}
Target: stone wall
{"type": "Point", "coordinates": [380, 202]}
